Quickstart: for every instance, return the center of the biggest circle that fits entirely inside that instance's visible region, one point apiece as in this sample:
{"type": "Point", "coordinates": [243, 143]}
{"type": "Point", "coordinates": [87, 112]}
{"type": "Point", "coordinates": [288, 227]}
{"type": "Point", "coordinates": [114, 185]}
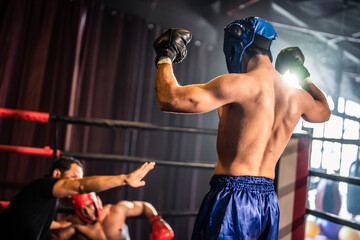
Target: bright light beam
{"type": "Point", "coordinates": [291, 79]}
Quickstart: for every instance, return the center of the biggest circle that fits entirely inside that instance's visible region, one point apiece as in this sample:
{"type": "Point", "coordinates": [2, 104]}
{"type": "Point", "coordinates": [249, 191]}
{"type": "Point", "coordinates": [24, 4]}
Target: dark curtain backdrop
{"type": "Point", "coordinates": [78, 58]}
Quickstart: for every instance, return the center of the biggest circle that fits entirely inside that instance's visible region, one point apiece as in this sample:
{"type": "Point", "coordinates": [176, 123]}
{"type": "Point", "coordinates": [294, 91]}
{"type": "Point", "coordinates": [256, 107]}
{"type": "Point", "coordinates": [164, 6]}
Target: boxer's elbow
{"type": "Point", "coordinates": [67, 187]}
{"type": "Point", "coordinates": [167, 102]}
{"type": "Point", "coordinates": [327, 114]}
{"type": "Point", "coordinates": [177, 101]}
{"type": "Point", "coordinates": [319, 116]}
{"type": "Point", "coordinates": [167, 105]}
{"type": "Point", "coordinates": [163, 106]}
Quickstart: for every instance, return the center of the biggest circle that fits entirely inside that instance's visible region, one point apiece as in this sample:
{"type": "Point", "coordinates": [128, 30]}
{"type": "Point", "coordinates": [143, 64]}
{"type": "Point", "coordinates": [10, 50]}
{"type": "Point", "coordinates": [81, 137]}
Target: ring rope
{"type": "Point", "coordinates": [45, 117]}
{"type": "Point", "coordinates": [27, 115]}
{"type": "Point", "coordinates": [188, 213]}
{"type": "Point", "coordinates": [130, 124]}
{"type": "Point", "coordinates": [184, 213]}
{"type": "Point", "coordinates": [344, 141]}
{"type": "Point", "coordinates": [123, 158]}
{"type": "Point", "coordinates": [333, 218]}
{"type": "Point", "coordinates": [335, 177]}
{"type": "Point", "coordinates": [47, 151]}
{"type": "Point", "coordinates": [70, 210]}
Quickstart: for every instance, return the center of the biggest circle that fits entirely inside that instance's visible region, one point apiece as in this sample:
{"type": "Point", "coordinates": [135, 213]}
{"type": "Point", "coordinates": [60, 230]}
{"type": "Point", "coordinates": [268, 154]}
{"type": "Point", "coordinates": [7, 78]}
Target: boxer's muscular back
{"type": "Point", "coordinates": [254, 131]}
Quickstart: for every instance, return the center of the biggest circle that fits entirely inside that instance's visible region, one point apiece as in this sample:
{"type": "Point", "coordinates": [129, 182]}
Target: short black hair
{"type": "Point", "coordinates": [64, 164]}
{"type": "Point", "coordinates": [260, 46]}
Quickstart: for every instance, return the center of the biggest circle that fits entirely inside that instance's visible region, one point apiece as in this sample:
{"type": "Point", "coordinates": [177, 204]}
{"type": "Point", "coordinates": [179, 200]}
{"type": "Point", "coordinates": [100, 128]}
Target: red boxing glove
{"type": "Point", "coordinates": [160, 229]}
{"type": "Point", "coordinates": [4, 204]}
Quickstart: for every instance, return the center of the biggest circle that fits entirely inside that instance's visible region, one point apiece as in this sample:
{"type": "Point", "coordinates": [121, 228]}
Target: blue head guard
{"type": "Point", "coordinates": [240, 34]}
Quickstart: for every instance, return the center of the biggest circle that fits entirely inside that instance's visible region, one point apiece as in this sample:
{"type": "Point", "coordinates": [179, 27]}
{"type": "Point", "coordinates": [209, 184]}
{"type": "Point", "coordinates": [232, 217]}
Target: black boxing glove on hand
{"type": "Point", "coordinates": [288, 58]}
{"type": "Point", "coordinates": [172, 44]}
{"type": "Point", "coordinates": [293, 59]}
{"type": "Point", "coordinates": [301, 71]}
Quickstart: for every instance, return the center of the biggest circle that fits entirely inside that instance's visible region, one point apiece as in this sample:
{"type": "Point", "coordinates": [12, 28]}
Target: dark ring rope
{"type": "Point", "coordinates": [129, 124]}
{"type": "Point", "coordinates": [144, 125]}
{"type": "Point", "coordinates": [185, 213]}
{"type": "Point", "coordinates": [47, 151]}
{"type": "Point", "coordinates": [45, 117]}
{"type": "Point", "coordinates": [333, 218]}
{"type": "Point", "coordinates": [135, 159]}
{"type": "Point", "coordinates": [188, 213]}
{"type": "Point", "coordinates": [335, 177]}
{"type": "Point", "coordinates": [344, 141]}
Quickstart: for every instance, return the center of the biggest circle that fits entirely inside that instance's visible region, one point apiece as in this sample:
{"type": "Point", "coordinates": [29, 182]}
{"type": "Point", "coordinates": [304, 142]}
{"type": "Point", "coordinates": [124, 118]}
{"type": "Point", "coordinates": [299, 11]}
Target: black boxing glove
{"type": "Point", "coordinates": [172, 44]}
{"type": "Point", "coordinates": [288, 57]}
{"type": "Point", "coordinates": [300, 70]}
{"type": "Point", "coordinates": [292, 59]}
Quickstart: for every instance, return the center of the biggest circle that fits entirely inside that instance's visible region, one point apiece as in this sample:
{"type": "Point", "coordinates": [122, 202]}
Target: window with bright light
{"type": "Point", "coordinates": [333, 150]}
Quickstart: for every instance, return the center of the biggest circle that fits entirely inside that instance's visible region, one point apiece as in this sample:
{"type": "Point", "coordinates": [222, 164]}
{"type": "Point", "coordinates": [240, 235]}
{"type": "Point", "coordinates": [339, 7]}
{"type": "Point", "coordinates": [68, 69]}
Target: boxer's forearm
{"type": "Point", "coordinates": [321, 106]}
{"type": "Point", "coordinates": [149, 210]}
{"type": "Point", "coordinates": [164, 85]}
{"type": "Point", "coordinates": [101, 183]}
{"type": "Point", "coordinates": [59, 225]}
{"type": "Point", "coordinates": [66, 187]}
{"type": "Point", "coordinates": [314, 91]}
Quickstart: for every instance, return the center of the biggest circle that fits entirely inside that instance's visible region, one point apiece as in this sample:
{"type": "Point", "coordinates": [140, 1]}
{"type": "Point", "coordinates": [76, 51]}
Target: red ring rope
{"type": "Point", "coordinates": [46, 151]}
{"type": "Point", "coordinates": [28, 115]}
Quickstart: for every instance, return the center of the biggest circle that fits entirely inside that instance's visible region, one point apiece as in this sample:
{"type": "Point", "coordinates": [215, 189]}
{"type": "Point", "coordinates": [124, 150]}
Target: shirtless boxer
{"type": "Point", "coordinates": [257, 113]}
{"type": "Point", "coordinates": [93, 221]}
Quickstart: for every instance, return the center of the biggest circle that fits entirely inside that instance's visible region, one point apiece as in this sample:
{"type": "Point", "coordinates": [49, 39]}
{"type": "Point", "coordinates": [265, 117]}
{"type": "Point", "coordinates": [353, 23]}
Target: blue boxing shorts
{"type": "Point", "coordinates": [241, 208]}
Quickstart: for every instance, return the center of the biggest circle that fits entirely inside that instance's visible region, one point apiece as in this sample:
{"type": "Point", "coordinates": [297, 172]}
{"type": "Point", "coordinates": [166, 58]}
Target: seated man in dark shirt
{"type": "Point", "coordinates": [30, 214]}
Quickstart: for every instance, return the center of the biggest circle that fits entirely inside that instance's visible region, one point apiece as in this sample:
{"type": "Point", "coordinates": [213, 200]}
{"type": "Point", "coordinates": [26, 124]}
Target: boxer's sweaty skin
{"type": "Point", "coordinates": [257, 112]}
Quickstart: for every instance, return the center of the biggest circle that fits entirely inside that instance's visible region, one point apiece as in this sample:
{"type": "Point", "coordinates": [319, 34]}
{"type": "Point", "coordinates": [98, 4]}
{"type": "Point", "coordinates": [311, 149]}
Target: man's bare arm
{"type": "Point", "coordinates": [318, 110]}
{"type": "Point", "coordinates": [315, 108]}
{"type": "Point", "coordinates": [135, 208]}
{"type": "Point", "coordinates": [59, 224]}
{"type": "Point", "coordinates": [195, 98]}
{"type": "Point", "coordinates": [67, 187]}
{"type": "Point", "coordinates": [61, 230]}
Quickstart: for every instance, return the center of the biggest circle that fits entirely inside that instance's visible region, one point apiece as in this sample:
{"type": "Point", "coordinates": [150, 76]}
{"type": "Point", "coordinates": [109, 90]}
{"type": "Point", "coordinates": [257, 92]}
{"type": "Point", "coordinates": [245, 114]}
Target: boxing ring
{"type": "Point", "coordinates": [292, 171]}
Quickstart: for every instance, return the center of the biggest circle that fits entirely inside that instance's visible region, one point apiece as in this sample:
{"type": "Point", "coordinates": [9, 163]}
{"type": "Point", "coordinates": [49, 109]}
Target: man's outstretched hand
{"type": "Point", "coordinates": [134, 179]}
